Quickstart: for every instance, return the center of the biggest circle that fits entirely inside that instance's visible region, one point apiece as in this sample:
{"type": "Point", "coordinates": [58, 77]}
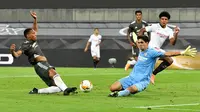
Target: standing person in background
{"type": "Point", "coordinates": [95, 41]}
{"type": "Point", "coordinates": [132, 34]}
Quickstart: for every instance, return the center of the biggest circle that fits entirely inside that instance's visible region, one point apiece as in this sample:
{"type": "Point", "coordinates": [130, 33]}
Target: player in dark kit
{"type": "Point", "coordinates": [132, 33]}
{"type": "Point", "coordinates": [35, 56]}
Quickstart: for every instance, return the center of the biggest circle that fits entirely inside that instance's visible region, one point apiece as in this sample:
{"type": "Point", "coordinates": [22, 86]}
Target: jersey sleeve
{"type": "Point", "coordinates": [171, 34]}
{"type": "Point", "coordinates": [100, 38]}
{"type": "Point", "coordinates": [156, 52]}
{"type": "Point", "coordinates": [90, 39]}
{"type": "Point", "coordinates": [23, 47]}
{"type": "Point", "coordinates": [131, 27]}
{"type": "Point", "coordinates": [151, 28]}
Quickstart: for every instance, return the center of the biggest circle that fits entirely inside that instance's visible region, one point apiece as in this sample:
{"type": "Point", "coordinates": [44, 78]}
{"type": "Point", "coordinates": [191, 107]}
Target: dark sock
{"type": "Point", "coordinates": [161, 67]}
{"type": "Point", "coordinates": [94, 63]}
{"type": "Point", "coordinates": [97, 61]}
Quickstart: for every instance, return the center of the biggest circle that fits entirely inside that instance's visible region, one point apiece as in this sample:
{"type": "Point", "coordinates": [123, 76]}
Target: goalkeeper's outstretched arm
{"type": "Point", "coordinates": [187, 52]}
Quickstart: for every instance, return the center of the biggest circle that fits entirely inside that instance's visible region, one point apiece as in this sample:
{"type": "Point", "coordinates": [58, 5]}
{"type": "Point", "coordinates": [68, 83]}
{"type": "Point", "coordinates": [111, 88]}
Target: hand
{"type": "Point", "coordinates": [85, 50]}
{"type": "Point", "coordinates": [33, 14]}
{"type": "Point", "coordinates": [12, 47]}
{"type": "Point", "coordinates": [176, 30]}
{"type": "Point", "coordinates": [132, 44]}
{"type": "Point", "coordinates": [189, 51]}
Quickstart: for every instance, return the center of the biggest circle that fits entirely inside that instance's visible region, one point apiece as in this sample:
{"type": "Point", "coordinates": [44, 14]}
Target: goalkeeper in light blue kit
{"type": "Point", "coordinates": [139, 78]}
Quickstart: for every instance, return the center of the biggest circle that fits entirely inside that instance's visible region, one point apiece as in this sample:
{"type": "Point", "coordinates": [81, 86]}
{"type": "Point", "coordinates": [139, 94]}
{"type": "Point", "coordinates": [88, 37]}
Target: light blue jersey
{"type": "Point", "coordinates": [140, 76]}
{"type": "Point", "coordinates": [145, 64]}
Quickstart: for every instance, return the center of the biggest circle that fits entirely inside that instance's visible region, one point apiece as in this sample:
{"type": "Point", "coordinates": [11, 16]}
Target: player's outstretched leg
{"type": "Point", "coordinates": [51, 89]}
{"type": "Point", "coordinates": [132, 89]}
{"type": "Point", "coordinates": [70, 90]}
{"type": "Point", "coordinates": [59, 82]}
{"type": "Point", "coordinates": [130, 62]}
{"type": "Point", "coordinates": [34, 91]}
{"type": "Point", "coordinates": [166, 62]}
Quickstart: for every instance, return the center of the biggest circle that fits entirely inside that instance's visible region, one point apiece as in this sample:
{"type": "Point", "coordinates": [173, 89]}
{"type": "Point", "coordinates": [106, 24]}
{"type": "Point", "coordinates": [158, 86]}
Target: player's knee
{"type": "Point", "coordinates": [52, 73]}
{"type": "Point", "coordinates": [112, 88]}
{"type": "Point", "coordinates": [170, 61]}
{"type": "Point", "coordinates": [94, 57]}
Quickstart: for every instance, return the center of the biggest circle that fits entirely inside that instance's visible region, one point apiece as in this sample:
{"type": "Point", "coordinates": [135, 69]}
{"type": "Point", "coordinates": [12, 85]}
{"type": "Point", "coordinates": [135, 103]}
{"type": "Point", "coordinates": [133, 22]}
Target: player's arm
{"type": "Point", "coordinates": [187, 52]}
{"type": "Point", "coordinates": [86, 47]}
{"type": "Point", "coordinates": [173, 36]}
{"type": "Point", "coordinates": [148, 33]}
{"type": "Point", "coordinates": [14, 53]}
{"type": "Point", "coordinates": [150, 28]}
{"type": "Point", "coordinates": [142, 30]}
{"type": "Point", "coordinates": [35, 26]}
{"type": "Point", "coordinates": [129, 37]}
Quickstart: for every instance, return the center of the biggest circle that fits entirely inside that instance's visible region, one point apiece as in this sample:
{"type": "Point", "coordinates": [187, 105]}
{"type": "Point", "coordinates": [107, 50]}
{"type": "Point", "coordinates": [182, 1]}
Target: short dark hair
{"type": "Point", "coordinates": [144, 37]}
{"type": "Point", "coordinates": [26, 31]}
{"type": "Point", "coordinates": [138, 11]}
{"type": "Point", "coordinates": [164, 14]}
{"type": "Point", "coordinates": [96, 29]}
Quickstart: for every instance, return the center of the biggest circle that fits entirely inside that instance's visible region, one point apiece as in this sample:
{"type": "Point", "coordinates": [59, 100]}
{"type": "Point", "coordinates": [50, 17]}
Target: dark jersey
{"type": "Point", "coordinates": [135, 27]}
{"type": "Point", "coordinates": [32, 50]}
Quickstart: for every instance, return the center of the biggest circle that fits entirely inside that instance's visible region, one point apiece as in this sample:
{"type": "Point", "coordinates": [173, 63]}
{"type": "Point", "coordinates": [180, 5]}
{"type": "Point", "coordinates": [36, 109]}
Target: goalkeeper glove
{"type": "Point", "coordinates": [189, 52]}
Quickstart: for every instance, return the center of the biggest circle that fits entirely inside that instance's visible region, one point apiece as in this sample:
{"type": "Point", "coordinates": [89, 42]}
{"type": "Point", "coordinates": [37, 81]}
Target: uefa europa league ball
{"type": "Point", "coordinates": [86, 86]}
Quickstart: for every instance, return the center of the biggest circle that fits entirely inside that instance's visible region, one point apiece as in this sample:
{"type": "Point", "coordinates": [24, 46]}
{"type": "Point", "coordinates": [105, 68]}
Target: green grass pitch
{"type": "Point", "coordinates": [175, 90]}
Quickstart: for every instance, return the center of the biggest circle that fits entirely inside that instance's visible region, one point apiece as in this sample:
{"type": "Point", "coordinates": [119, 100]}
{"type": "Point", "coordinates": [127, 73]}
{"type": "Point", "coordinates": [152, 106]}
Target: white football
{"type": "Point", "coordinates": [86, 86]}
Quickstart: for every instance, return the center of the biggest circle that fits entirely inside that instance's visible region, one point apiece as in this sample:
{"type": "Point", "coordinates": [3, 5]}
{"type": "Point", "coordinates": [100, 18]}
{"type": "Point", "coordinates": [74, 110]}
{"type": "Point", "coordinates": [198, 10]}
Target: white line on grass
{"type": "Point", "coordinates": [178, 109]}
{"type": "Point", "coordinates": [175, 105]}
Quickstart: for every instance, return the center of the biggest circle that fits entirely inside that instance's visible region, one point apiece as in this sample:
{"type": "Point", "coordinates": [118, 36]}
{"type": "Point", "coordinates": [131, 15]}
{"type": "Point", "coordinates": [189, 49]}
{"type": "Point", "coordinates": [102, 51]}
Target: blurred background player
{"type": "Point", "coordinates": [36, 57]}
{"type": "Point", "coordinates": [132, 33]}
{"type": "Point", "coordinates": [161, 32]}
{"type": "Point", "coordinates": [139, 78]}
{"type": "Point", "coordinates": [95, 40]}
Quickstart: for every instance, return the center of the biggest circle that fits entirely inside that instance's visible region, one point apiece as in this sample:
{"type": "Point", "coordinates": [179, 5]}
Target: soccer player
{"type": "Point", "coordinates": [95, 40]}
{"type": "Point", "coordinates": [139, 78]}
{"type": "Point", "coordinates": [132, 33]}
{"type": "Point", "coordinates": [35, 56]}
{"type": "Point", "coordinates": [159, 33]}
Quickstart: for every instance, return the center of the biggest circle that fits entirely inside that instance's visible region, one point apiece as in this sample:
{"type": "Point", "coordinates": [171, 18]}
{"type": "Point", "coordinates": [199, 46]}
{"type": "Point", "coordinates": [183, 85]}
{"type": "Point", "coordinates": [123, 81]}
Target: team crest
{"type": "Point", "coordinates": [145, 54]}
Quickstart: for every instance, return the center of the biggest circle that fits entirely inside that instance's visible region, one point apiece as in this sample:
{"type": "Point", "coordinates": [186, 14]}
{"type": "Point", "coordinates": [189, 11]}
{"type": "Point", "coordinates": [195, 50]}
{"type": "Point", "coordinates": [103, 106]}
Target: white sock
{"type": "Point", "coordinates": [59, 82]}
{"type": "Point", "coordinates": [52, 89]}
{"type": "Point", "coordinates": [132, 62]}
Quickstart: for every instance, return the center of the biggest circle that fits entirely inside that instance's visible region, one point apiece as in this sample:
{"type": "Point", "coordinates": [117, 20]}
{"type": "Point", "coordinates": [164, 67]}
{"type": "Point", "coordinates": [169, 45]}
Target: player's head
{"type": "Point", "coordinates": [164, 18]}
{"type": "Point", "coordinates": [143, 42]}
{"type": "Point", "coordinates": [30, 34]}
{"type": "Point", "coordinates": [138, 15]}
{"type": "Point", "coordinates": [96, 31]}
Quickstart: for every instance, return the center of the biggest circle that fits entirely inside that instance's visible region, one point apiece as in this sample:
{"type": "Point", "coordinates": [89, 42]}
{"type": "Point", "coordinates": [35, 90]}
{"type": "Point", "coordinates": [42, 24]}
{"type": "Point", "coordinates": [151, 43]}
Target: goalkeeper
{"type": "Point", "coordinates": [139, 78]}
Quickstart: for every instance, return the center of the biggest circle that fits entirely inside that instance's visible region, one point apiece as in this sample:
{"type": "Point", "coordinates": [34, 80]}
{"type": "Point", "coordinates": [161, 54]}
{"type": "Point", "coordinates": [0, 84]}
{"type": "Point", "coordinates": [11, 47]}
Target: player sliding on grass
{"type": "Point", "coordinates": [139, 78]}
{"type": "Point", "coordinates": [35, 56]}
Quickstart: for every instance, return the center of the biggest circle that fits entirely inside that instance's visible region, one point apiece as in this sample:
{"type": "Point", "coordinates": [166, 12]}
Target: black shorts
{"type": "Point", "coordinates": [135, 51]}
{"type": "Point", "coordinates": [42, 69]}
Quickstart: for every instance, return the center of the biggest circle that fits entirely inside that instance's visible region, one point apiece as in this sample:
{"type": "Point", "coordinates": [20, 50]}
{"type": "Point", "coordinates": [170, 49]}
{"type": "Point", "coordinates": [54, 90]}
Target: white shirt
{"type": "Point", "coordinates": [159, 34]}
{"type": "Point", "coordinates": [95, 40]}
